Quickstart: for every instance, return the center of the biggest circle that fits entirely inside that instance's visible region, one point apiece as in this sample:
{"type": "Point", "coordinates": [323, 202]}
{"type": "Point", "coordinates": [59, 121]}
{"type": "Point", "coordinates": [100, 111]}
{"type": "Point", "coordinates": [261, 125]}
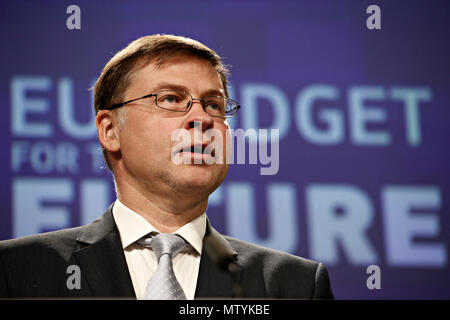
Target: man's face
{"type": "Point", "coordinates": [146, 144]}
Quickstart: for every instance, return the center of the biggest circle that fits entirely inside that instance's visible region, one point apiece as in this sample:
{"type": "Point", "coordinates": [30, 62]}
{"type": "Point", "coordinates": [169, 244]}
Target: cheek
{"type": "Point", "coordinates": [226, 139]}
{"type": "Point", "coordinates": [145, 137]}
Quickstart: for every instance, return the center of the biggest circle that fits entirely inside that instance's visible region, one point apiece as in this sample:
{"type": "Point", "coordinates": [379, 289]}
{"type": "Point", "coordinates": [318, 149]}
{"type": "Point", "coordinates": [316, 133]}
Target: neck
{"type": "Point", "coordinates": [167, 212]}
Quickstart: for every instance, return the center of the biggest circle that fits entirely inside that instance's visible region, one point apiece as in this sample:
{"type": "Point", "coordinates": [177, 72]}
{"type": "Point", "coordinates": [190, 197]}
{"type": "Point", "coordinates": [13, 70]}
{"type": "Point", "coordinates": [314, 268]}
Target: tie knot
{"type": "Point", "coordinates": [165, 243]}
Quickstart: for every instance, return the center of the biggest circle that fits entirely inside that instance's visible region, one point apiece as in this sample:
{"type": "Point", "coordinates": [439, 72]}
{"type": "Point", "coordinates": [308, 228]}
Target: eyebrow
{"type": "Point", "coordinates": [172, 86]}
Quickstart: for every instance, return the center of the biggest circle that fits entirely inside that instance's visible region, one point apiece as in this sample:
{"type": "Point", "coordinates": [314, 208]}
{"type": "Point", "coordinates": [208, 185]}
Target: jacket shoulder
{"type": "Point", "coordinates": [252, 253]}
{"type": "Point", "coordinates": [282, 274]}
{"type": "Point", "coordinates": [61, 241]}
{"type": "Point", "coordinates": [64, 240]}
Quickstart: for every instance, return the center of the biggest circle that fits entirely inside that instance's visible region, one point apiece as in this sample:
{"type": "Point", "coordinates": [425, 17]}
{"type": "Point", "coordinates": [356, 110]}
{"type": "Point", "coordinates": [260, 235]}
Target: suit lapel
{"type": "Point", "coordinates": [212, 281]}
{"type": "Point", "coordinates": [102, 260]}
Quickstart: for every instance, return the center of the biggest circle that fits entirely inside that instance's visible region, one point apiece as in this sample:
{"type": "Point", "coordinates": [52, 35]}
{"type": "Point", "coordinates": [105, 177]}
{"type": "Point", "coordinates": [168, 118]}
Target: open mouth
{"type": "Point", "coordinates": [198, 149]}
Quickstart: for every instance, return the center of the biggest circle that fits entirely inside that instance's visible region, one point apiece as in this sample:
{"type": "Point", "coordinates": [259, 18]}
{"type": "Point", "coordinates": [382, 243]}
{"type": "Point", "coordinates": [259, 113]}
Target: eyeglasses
{"type": "Point", "coordinates": [181, 101]}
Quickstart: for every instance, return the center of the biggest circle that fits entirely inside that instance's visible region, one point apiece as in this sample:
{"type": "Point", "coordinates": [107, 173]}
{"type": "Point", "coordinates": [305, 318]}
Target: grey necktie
{"type": "Point", "coordinates": [163, 285]}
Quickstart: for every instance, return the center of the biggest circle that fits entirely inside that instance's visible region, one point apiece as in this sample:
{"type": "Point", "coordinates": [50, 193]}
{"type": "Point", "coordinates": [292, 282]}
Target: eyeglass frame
{"type": "Point", "coordinates": [189, 106]}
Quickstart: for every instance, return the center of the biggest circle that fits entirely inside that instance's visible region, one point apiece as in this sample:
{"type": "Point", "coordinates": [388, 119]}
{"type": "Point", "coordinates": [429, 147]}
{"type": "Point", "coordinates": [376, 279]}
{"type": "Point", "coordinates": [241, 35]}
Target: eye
{"type": "Point", "coordinates": [215, 104]}
{"type": "Point", "coordinates": [170, 99]}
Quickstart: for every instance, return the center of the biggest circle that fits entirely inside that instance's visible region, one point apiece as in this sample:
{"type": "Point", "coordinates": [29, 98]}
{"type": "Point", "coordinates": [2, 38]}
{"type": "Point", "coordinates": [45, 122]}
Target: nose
{"type": "Point", "coordinates": [197, 116]}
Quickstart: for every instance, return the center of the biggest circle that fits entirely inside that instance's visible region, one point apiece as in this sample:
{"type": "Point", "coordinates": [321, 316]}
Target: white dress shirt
{"type": "Point", "coordinates": [142, 261]}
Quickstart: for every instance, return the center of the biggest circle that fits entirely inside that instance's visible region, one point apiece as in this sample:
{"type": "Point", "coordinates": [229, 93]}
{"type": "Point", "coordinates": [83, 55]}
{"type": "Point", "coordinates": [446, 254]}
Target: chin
{"type": "Point", "coordinates": [203, 176]}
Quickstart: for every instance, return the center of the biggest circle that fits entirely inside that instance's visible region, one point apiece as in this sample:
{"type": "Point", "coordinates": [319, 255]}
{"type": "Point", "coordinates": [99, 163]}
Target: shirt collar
{"type": "Point", "coordinates": [132, 227]}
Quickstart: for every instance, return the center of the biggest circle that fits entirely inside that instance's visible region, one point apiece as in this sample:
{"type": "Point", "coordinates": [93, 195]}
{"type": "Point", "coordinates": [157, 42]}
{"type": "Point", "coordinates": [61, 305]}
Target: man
{"type": "Point", "coordinates": [157, 86]}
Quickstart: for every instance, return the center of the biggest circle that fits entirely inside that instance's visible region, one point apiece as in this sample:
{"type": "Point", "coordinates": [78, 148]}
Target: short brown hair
{"type": "Point", "coordinates": [115, 76]}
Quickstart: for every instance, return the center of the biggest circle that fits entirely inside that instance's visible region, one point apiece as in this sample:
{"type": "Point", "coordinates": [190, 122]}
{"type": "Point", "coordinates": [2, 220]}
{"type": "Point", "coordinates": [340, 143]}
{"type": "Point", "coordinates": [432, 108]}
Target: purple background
{"type": "Point", "coordinates": [289, 45]}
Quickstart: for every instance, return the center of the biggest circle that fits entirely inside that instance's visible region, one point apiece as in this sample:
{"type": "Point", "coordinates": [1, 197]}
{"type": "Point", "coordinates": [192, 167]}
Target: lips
{"type": "Point", "coordinates": [197, 148]}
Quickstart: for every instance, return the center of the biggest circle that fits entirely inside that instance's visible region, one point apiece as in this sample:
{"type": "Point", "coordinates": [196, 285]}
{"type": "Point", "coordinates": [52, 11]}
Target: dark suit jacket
{"type": "Point", "coordinates": [36, 266]}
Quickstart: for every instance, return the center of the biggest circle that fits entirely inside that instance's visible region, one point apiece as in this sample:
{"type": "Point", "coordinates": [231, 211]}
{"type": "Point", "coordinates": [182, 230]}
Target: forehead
{"type": "Point", "coordinates": [194, 73]}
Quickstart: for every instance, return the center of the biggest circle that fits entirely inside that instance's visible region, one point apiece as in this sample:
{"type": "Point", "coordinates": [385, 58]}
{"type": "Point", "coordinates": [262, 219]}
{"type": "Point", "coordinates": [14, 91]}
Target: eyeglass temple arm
{"type": "Point", "coordinates": [118, 105]}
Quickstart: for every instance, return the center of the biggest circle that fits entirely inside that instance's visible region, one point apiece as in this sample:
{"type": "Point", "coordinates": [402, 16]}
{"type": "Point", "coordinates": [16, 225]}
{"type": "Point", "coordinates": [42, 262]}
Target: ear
{"type": "Point", "coordinates": [108, 130]}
